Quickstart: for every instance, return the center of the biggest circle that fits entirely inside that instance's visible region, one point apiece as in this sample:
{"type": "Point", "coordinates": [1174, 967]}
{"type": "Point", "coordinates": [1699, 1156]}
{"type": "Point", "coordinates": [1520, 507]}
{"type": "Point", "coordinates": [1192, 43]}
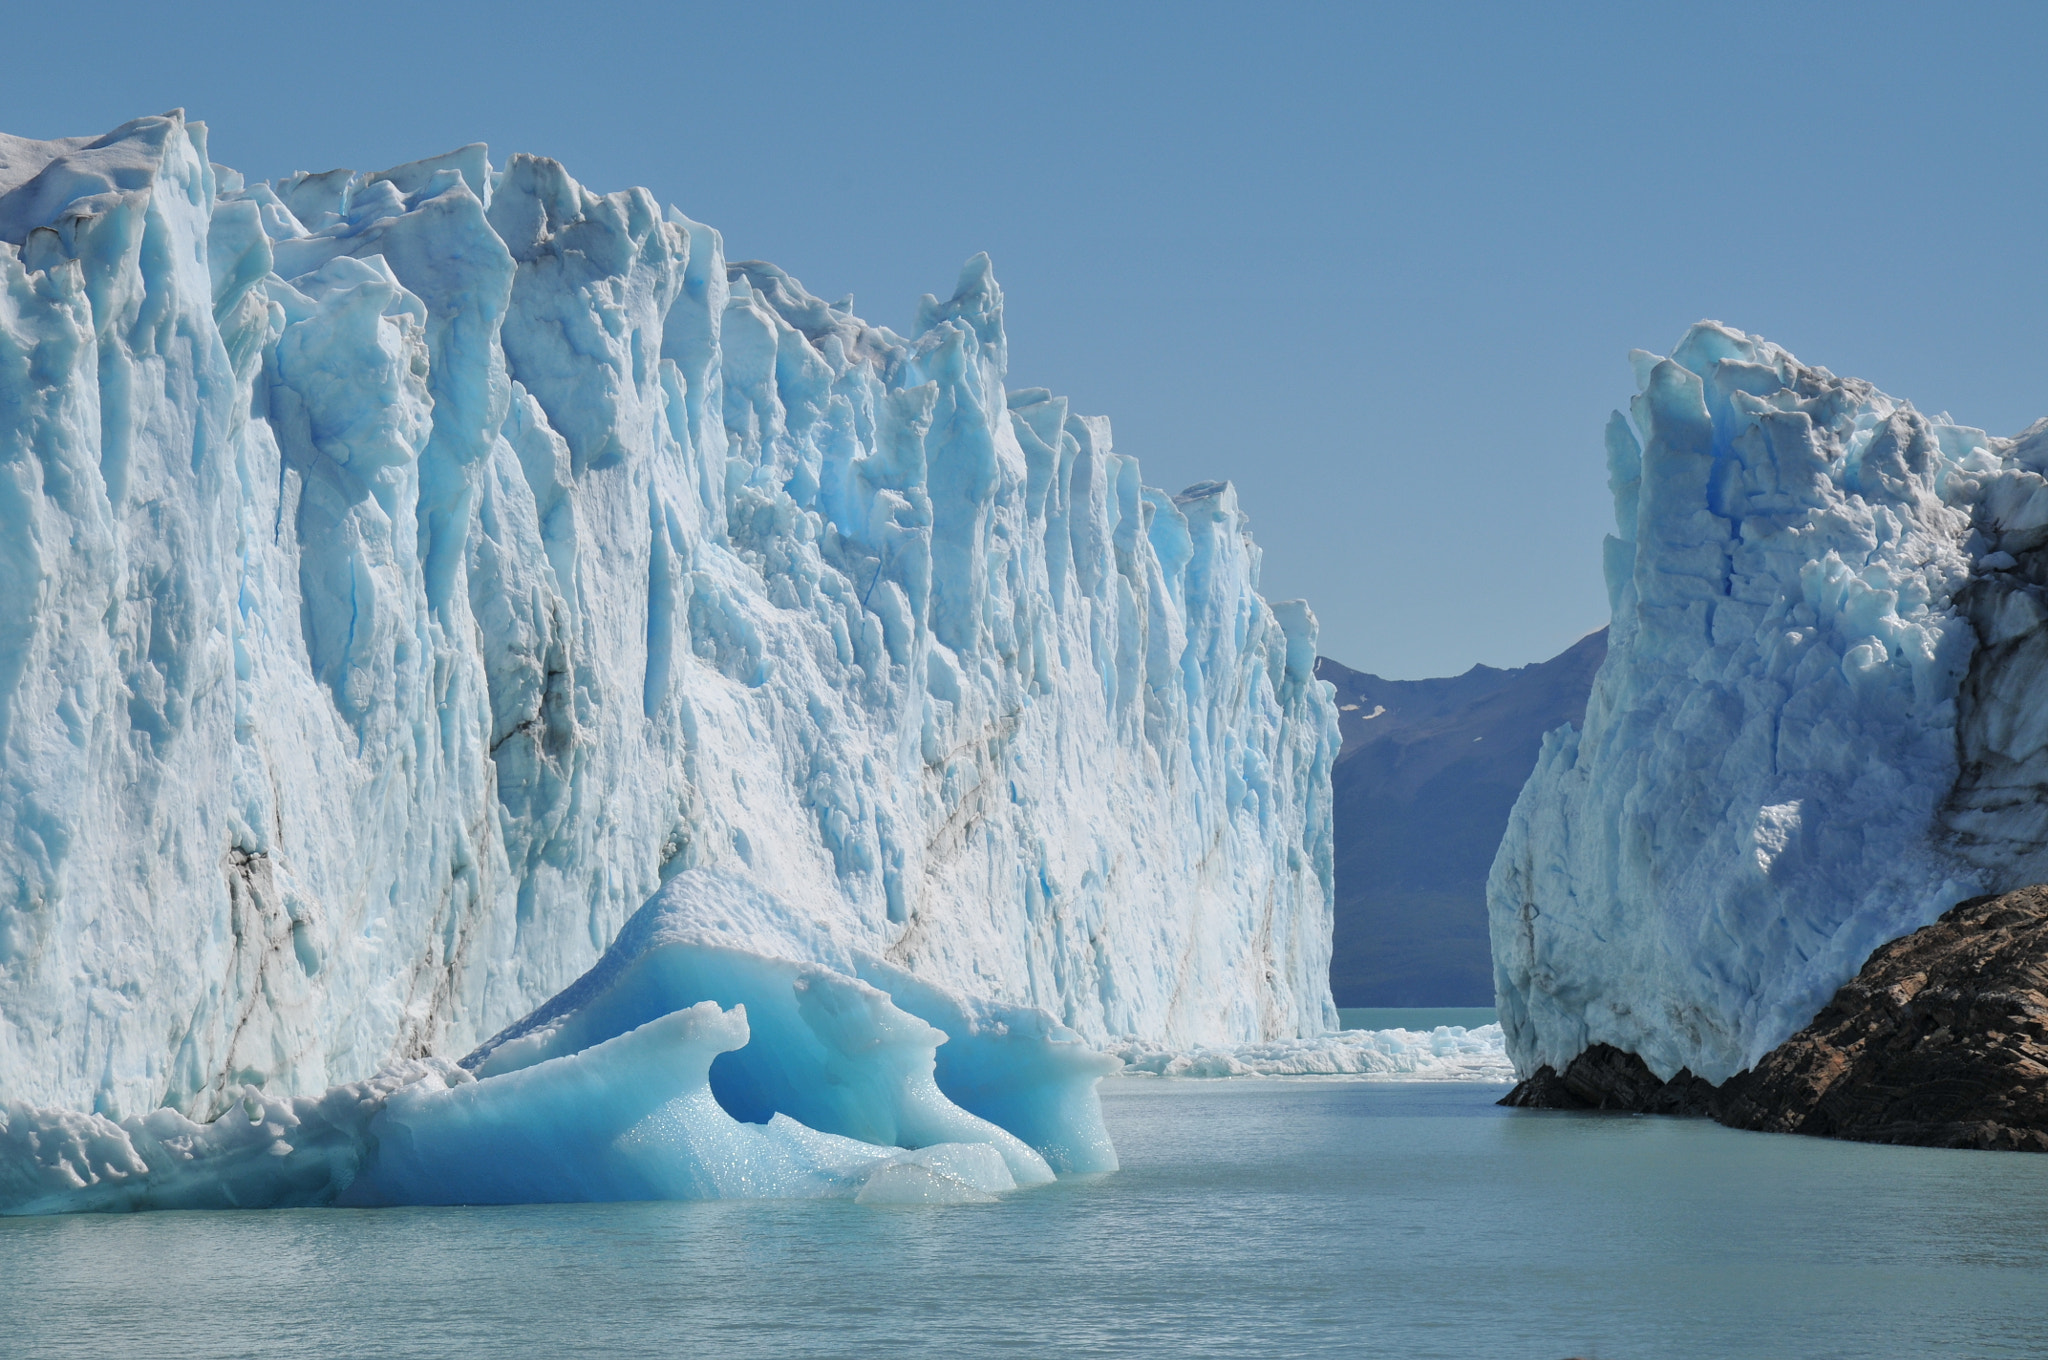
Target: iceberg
{"type": "Point", "coordinates": [630, 1118]}
{"type": "Point", "coordinates": [1814, 730]}
{"type": "Point", "coordinates": [410, 578]}
{"type": "Point", "coordinates": [829, 1049]}
{"type": "Point", "coordinates": [678, 1067]}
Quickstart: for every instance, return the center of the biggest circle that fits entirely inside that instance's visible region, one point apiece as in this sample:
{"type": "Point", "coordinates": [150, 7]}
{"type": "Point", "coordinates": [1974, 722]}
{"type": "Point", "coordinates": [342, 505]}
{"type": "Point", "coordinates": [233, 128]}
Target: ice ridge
{"type": "Point", "coordinates": [1816, 727]}
{"type": "Point", "coordinates": [405, 575]}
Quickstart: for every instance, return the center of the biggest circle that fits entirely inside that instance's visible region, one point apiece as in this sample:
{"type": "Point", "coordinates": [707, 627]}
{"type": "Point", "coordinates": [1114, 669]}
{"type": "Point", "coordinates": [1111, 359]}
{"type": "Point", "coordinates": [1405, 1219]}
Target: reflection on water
{"type": "Point", "coordinates": [1251, 1218]}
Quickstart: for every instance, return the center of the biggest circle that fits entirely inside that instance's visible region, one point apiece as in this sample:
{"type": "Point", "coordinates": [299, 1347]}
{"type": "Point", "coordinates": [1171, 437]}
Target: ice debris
{"type": "Point", "coordinates": [404, 575]}
{"type": "Point", "coordinates": [1446, 1053]}
{"type": "Point", "coordinates": [1818, 725]}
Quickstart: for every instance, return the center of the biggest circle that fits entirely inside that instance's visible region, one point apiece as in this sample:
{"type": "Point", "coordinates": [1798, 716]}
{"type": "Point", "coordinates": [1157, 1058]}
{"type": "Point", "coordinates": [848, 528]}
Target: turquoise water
{"type": "Point", "coordinates": [1415, 1017]}
{"type": "Point", "coordinates": [1252, 1218]}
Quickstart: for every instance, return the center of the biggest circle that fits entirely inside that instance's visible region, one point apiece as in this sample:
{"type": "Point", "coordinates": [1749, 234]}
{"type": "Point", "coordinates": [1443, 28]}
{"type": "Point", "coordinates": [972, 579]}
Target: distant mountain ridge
{"type": "Point", "coordinates": [1423, 785]}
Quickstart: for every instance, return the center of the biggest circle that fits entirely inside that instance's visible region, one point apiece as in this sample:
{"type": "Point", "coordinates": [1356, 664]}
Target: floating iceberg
{"type": "Point", "coordinates": [679, 1067]}
{"type": "Point", "coordinates": [408, 577]}
{"type": "Point", "coordinates": [1818, 723]}
{"type": "Point", "coordinates": [630, 1118]}
{"type": "Point", "coordinates": [830, 1050]}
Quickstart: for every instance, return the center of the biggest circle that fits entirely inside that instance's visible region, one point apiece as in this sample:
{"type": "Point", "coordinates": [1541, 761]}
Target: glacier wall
{"type": "Point", "coordinates": [1818, 725]}
{"type": "Point", "coordinates": [403, 575]}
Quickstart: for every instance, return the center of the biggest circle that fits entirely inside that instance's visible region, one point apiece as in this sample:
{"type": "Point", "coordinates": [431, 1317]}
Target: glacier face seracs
{"type": "Point", "coordinates": [404, 575]}
{"type": "Point", "coordinates": [1818, 725]}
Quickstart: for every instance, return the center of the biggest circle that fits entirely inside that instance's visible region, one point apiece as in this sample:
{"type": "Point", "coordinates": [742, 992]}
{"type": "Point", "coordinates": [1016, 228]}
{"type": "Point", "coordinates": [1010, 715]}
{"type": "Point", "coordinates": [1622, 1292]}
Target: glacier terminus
{"type": "Point", "coordinates": [448, 611]}
{"type": "Point", "coordinates": [1817, 727]}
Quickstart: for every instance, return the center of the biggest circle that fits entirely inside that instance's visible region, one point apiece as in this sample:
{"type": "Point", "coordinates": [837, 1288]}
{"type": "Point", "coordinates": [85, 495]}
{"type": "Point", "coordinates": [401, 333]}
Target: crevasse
{"type": "Point", "coordinates": [404, 576]}
{"type": "Point", "coordinates": [1817, 726]}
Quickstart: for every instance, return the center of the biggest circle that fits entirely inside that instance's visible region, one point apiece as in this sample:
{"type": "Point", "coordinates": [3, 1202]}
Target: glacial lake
{"type": "Point", "coordinates": [1415, 1017]}
{"type": "Point", "coordinates": [1252, 1217]}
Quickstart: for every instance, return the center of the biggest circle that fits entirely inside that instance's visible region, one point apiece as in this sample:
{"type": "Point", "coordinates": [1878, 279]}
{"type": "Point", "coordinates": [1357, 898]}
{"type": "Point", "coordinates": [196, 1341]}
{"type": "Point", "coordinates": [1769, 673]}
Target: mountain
{"type": "Point", "coordinates": [407, 575]}
{"type": "Point", "coordinates": [1421, 791]}
{"type": "Point", "coordinates": [1818, 727]}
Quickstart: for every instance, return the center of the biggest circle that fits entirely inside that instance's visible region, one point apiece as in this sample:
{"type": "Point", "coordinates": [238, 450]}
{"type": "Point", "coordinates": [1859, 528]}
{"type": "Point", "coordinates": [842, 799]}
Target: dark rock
{"type": "Point", "coordinates": [1608, 1078]}
{"type": "Point", "coordinates": [1941, 1040]}
{"type": "Point", "coordinates": [1545, 1090]}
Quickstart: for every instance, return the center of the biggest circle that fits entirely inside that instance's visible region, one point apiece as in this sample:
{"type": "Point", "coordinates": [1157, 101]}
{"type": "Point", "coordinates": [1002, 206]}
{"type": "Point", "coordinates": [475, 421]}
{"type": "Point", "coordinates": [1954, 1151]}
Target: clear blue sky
{"type": "Point", "coordinates": [1378, 265]}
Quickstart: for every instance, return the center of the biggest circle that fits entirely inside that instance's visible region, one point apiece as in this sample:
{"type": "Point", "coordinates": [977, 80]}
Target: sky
{"type": "Point", "coordinates": [1380, 266]}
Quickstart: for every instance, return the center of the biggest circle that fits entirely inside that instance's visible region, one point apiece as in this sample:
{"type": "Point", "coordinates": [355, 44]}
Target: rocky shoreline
{"type": "Point", "coordinates": [1940, 1041]}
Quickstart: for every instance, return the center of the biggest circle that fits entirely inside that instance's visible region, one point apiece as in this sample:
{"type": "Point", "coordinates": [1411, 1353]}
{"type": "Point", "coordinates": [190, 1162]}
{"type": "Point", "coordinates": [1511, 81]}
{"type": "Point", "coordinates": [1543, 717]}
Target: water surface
{"type": "Point", "coordinates": [1415, 1017]}
{"type": "Point", "coordinates": [1252, 1218]}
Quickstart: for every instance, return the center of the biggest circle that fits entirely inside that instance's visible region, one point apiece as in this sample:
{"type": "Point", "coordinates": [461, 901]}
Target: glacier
{"type": "Point", "coordinates": [409, 578]}
{"type": "Point", "coordinates": [1817, 726]}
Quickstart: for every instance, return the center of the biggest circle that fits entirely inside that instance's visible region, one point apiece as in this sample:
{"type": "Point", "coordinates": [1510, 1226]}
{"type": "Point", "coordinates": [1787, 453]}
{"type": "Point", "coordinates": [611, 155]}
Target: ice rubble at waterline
{"type": "Point", "coordinates": [1818, 725]}
{"type": "Point", "coordinates": [404, 576]}
{"type": "Point", "coordinates": [1443, 1053]}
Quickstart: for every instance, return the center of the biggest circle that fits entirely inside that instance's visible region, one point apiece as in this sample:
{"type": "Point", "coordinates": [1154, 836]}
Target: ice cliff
{"type": "Point", "coordinates": [404, 576]}
{"type": "Point", "coordinates": [1818, 726]}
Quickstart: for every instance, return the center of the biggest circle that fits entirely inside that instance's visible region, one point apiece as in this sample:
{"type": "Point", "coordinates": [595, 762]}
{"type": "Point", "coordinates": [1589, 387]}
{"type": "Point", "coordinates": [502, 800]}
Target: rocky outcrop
{"type": "Point", "coordinates": [1940, 1041]}
{"type": "Point", "coordinates": [1606, 1078]}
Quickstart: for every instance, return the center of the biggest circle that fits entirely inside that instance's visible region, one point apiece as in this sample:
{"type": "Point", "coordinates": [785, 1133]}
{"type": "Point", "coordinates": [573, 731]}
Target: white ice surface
{"type": "Point", "coordinates": [1818, 725]}
{"type": "Point", "coordinates": [404, 575]}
